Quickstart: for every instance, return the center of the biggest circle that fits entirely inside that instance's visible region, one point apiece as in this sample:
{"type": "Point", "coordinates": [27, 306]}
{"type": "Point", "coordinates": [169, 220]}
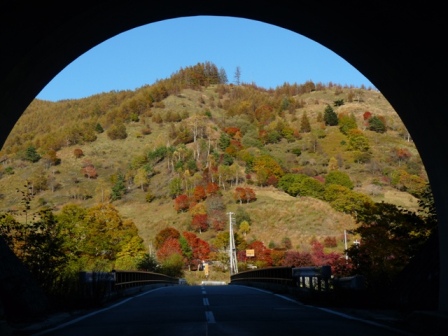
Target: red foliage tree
{"type": "Point", "coordinates": [272, 181]}
{"type": "Point", "coordinates": [169, 247]}
{"type": "Point", "coordinates": [250, 195]}
{"type": "Point", "coordinates": [201, 250]}
{"type": "Point", "coordinates": [367, 115]}
{"type": "Point", "coordinates": [200, 222]}
{"type": "Point", "coordinates": [181, 203]}
{"type": "Point", "coordinates": [297, 259]}
{"type": "Point", "coordinates": [190, 237]}
{"type": "Point", "coordinates": [342, 268]}
{"type": "Point", "coordinates": [262, 253]}
{"type": "Point", "coordinates": [164, 235]}
{"type": "Point", "coordinates": [320, 258]}
{"type": "Point", "coordinates": [199, 247]}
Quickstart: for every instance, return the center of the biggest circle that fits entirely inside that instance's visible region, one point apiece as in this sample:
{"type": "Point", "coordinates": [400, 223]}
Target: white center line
{"type": "Point", "coordinates": [209, 317]}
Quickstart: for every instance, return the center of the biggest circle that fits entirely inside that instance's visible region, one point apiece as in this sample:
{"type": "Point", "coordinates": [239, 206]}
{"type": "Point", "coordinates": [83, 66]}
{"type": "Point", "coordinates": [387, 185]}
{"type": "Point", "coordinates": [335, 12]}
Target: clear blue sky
{"type": "Point", "coordinates": [266, 55]}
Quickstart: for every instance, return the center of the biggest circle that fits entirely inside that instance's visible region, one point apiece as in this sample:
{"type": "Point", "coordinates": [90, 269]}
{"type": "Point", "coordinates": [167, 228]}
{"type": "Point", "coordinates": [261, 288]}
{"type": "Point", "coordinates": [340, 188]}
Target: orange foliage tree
{"type": "Point", "coordinates": [212, 188]}
{"type": "Point", "coordinates": [199, 193]}
{"type": "Point", "coordinates": [244, 195]}
{"type": "Point", "coordinates": [181, 203]}
{"type": "Point", "coordinates": [77, 152]}
{"type": "Point", "coordinates": [234, 132]}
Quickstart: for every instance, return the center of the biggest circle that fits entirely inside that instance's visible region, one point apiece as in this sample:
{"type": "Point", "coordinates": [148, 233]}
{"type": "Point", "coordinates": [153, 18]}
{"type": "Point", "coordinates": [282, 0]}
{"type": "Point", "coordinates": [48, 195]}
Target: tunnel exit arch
{"type": "Point", "coordinates": [399, 48]}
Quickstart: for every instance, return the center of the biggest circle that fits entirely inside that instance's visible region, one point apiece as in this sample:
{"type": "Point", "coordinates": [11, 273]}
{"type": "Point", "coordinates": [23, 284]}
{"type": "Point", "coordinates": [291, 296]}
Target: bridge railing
{"type": "Point", "coordinates": [127, 279]}
{"type": "Point", "coordinates": [273, 275]}
{"type": "Point", "coordinates": [314, 278]}
{"type": "Point", "coordinates": [311, 278]}
{"type": "Point", "coordinates": [98, 287]}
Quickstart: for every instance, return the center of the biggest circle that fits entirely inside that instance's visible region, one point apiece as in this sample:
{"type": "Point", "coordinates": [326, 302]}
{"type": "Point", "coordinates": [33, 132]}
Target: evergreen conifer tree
{"type": "Point", "coordinates": [330, 117]}
{"type": "Point", "coordinates": [119, 188]}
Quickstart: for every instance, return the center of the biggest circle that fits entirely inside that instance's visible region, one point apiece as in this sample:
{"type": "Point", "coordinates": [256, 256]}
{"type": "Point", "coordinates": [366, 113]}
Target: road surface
{"type": "Point", "coordinates": [212, 311]}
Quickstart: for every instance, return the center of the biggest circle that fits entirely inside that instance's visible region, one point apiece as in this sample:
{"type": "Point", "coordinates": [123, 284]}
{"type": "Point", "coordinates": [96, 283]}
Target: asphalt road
{"type": "Point", "coordinates": [214, 310]}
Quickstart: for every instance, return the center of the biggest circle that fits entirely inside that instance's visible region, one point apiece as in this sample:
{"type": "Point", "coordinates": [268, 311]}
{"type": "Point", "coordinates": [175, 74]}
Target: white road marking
{"type": "Point", "coordinates": [209, 317]}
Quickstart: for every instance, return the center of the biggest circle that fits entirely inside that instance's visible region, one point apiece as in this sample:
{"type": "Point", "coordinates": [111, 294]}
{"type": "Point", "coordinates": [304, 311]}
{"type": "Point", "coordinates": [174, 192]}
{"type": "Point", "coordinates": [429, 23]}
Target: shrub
{"type": "Point", "coordinates": [117, 132]}
{"type": "Point", "coordinates": [78, 153]}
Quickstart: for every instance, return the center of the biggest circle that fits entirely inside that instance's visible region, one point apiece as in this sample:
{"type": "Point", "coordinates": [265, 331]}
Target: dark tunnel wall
{"type": "Point", "coordinates": [399, 48]}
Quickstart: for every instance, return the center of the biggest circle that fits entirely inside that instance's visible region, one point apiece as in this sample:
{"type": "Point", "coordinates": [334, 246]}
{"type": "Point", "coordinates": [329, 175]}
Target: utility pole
{"type": "Point", "coordinates": [345, 245]}
{"type": "Point", "coordinates": [232, 248]}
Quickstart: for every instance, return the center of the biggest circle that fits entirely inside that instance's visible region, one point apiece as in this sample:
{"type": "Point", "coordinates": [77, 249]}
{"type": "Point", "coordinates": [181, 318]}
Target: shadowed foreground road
{"type": "Point", "coordinates": [213, 310]}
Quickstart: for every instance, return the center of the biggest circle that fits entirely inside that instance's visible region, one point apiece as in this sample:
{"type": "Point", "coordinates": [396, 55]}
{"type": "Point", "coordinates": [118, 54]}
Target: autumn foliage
{"type": "Point", "coordinates": [164, 235]}
{"type": "Point", "coordinates": [181, 203]}
{"type": "Point", "coordinates": [212, 188]}
{"type": "Point", "coordinates": [199, 222]}
{"type": "Point", "coordinates": [199, 193]}
{"type": "Point", "coordinates": [78, 153]}
{"type": "Point", "coordinates": [200, 248]}
{"type": "Point", "coordinates": [169, 247]}
{"type": "Point", "coordinates": [244, 195]}
{"type": "Point", "coordinates": [89, 171]}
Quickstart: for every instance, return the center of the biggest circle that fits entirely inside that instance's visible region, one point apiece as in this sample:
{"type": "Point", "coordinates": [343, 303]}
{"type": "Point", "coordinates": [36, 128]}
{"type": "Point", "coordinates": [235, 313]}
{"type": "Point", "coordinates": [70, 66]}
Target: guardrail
{"type": "Point", "coordinates": [272, 275]}
{"type": "Point", "coordinates": [127, 279]}
{"type": "Point", "coordinates": [98, 287]}
{"type": "Point", "coordinates": [310, 278]}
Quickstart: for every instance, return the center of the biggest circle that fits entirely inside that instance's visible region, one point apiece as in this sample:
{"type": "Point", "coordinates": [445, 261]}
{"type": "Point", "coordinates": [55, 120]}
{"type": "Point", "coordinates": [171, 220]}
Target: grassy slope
{"type": "Point", "coordinates": [275, 214]}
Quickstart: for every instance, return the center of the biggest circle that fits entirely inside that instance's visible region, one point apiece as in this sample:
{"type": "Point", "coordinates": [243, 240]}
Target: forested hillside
{"type": "Point", "coordinates": [295, 164]}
